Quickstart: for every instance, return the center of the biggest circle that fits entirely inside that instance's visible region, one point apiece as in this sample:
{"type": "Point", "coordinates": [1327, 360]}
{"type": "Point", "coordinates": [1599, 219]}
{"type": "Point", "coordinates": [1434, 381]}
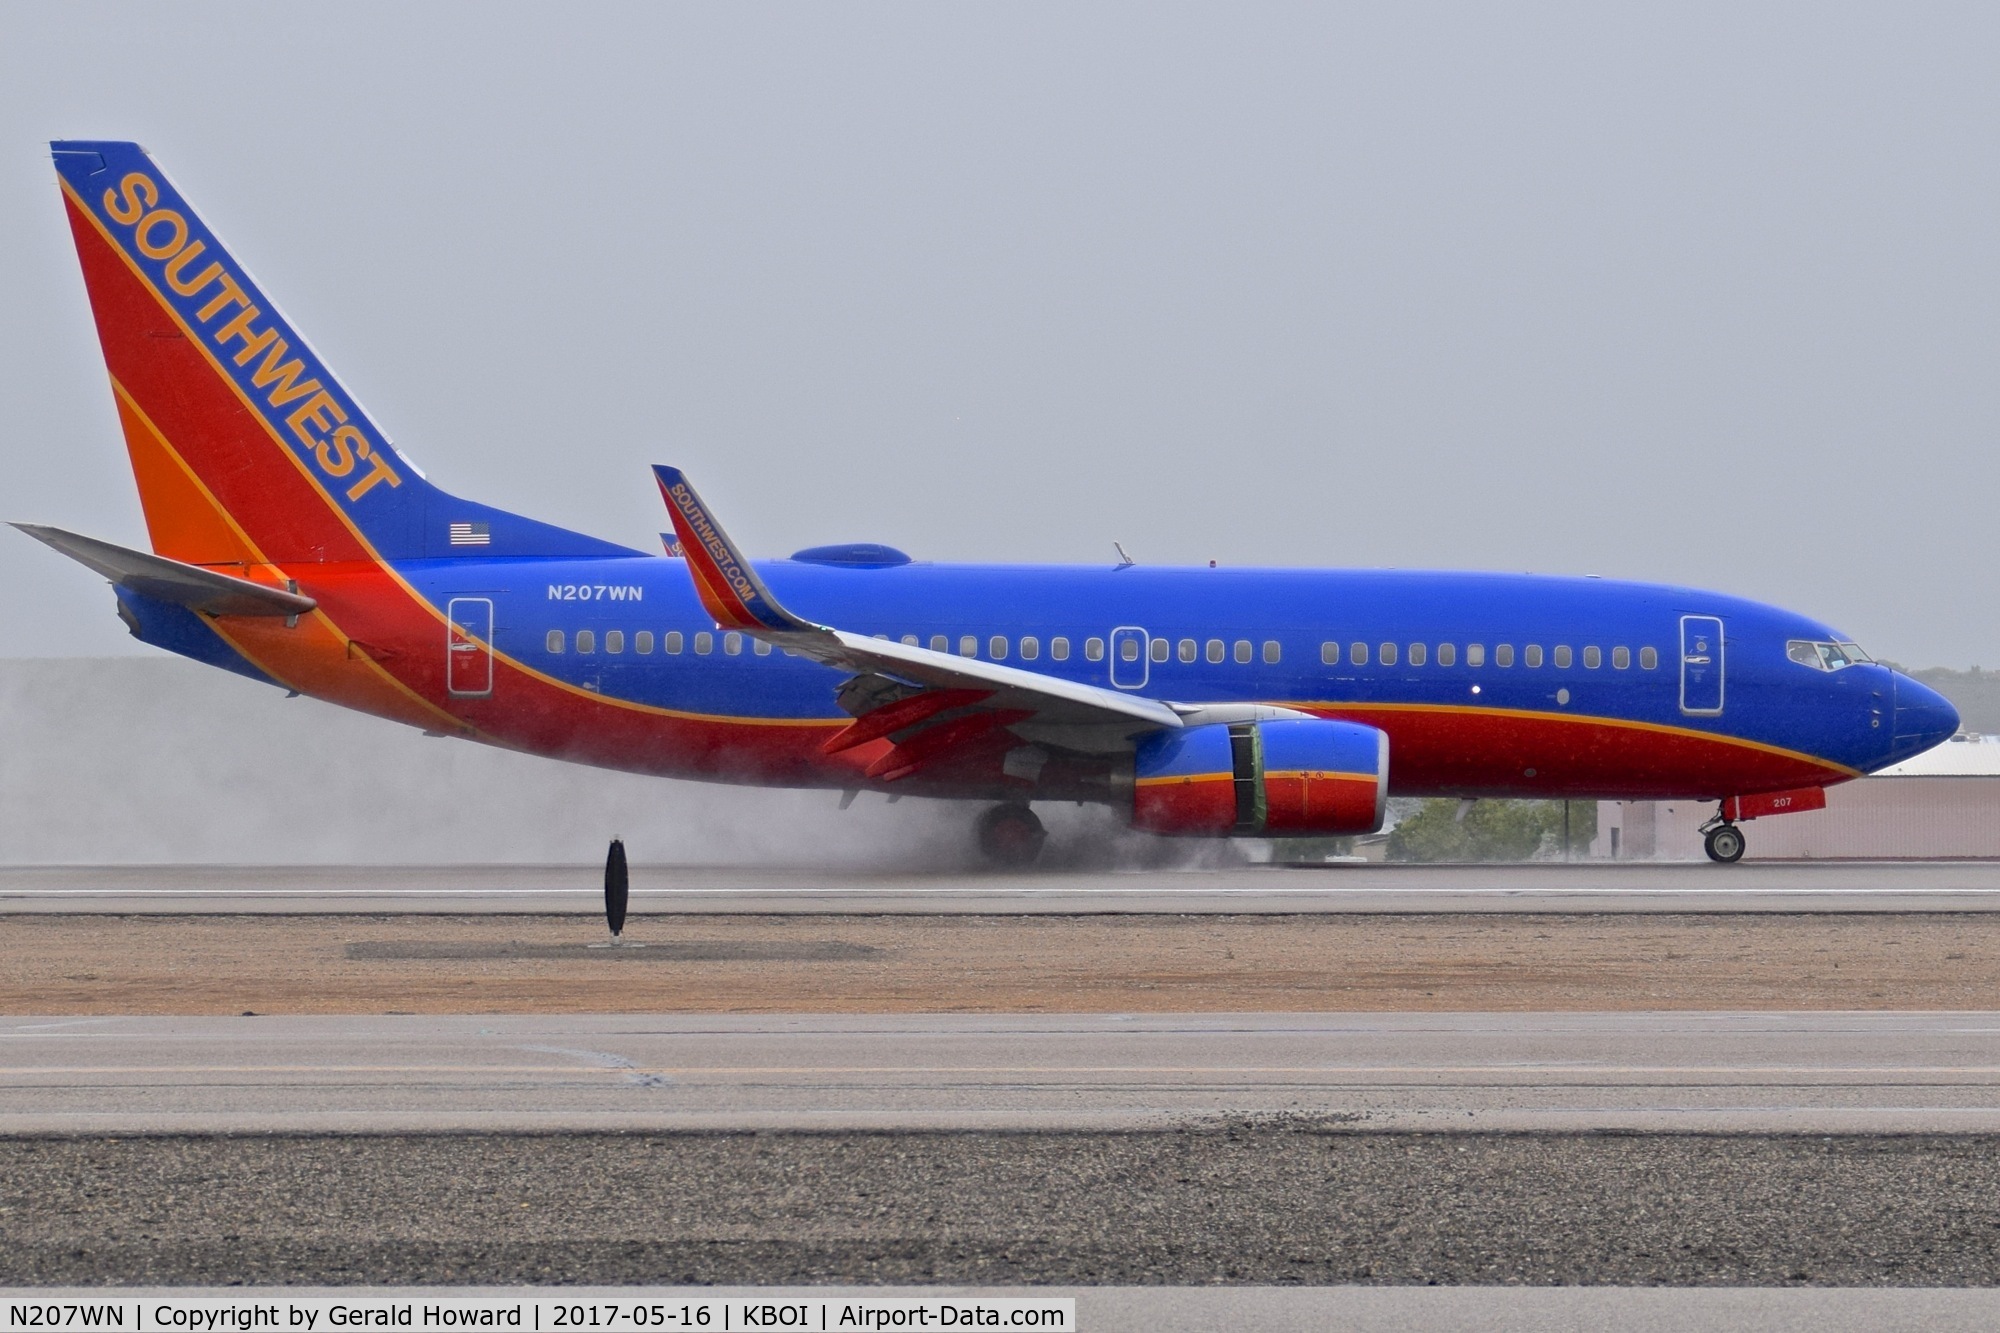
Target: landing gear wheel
{"type": "Point", "coordinates": [1010, 836]}
{"type": "Point", "coordinates": [1724, 844]}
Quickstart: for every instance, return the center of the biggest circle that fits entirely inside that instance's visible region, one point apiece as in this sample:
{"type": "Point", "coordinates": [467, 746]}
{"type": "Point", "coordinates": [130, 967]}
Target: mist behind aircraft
{"type": "Point", "coordinates": [144, 760]}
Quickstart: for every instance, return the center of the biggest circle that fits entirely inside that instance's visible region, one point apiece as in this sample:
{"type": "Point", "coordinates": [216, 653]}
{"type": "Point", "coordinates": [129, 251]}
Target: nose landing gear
{"type": "Point", "coordinates": [1010, 836]}
{"type": "Point", "coordinates": [1723, 841]}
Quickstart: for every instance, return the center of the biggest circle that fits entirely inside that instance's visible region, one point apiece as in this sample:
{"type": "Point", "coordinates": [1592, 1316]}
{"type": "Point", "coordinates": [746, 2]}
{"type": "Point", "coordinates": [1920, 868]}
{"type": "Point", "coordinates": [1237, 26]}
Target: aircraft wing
{"type": "Point", "coordinates": [925, 701]}
{"type": "Point", "coordinates": [191, 586]}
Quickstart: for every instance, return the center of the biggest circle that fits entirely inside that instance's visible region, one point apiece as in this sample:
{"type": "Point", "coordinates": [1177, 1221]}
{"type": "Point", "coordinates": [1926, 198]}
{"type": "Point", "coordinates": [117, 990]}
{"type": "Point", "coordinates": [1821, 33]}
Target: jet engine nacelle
{"type": "Point", "coordinates": [1285, 778]}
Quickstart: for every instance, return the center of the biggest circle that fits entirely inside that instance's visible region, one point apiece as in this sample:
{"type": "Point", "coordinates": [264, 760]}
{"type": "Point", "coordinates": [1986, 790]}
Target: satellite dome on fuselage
{"type": "Point", "coordinates": [855, 555]}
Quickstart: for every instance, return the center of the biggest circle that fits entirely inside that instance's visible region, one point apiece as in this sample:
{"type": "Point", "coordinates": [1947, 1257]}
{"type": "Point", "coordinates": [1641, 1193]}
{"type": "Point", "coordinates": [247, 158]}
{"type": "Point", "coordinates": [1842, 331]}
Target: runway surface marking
{"type": "Point", "coordinates": [1553, 887]}
{"type": "Point", "coordinates": [1763, 1072]}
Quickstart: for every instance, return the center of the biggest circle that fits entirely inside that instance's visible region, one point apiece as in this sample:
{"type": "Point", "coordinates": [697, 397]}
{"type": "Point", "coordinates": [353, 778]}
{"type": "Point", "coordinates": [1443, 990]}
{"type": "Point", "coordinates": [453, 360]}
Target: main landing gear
{"type": "Point", "coordinates": [1723, 842]}
{"type": "Point", "coordinates": [1010, 836]}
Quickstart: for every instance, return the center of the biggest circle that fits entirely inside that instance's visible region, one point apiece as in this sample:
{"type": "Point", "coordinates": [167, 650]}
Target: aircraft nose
{"type": "Point", "coordinates": [1923, 717]}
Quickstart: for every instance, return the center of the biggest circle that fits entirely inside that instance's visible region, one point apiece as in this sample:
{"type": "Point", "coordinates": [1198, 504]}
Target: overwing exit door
{"type": "Point", "coordinates": [468, 651]}
{"type": "Point", "coordinates": [1129, 662]}
{"type": "Point", "coordinates": [1701, 665]}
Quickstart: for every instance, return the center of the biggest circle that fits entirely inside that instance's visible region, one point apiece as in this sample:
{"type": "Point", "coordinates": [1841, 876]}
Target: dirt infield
{"type": "Point", "coordinates": [60, 964]}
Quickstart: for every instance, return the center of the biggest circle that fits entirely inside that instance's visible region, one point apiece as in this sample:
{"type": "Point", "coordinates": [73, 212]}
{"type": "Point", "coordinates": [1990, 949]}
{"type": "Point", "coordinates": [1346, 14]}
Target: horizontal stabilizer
{"type": "Point", "coordinates": [191, 586]}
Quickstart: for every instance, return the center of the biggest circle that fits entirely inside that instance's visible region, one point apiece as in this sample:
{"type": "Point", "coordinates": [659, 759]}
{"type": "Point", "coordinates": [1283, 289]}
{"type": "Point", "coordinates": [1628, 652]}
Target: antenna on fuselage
{"type": "Point", "coordinates": [1124, 561]}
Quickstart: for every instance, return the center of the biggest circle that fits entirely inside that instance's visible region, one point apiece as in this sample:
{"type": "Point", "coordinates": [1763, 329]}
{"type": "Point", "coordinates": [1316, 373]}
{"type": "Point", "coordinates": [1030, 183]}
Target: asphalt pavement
{"type": "Point", "coordinates": [1673, 1072]}
{"type": "Point", "coordinates": [1234, 1204]}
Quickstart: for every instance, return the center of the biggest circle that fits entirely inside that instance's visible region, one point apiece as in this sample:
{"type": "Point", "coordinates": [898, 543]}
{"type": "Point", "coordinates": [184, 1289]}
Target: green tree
{"type": "Point", "coordinates": [1449, 830]}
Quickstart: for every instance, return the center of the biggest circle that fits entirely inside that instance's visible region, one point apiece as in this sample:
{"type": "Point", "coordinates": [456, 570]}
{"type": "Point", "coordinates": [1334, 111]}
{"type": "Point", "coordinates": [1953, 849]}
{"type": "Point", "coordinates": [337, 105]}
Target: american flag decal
{"type": "Point", "coordinates": [471, 534]}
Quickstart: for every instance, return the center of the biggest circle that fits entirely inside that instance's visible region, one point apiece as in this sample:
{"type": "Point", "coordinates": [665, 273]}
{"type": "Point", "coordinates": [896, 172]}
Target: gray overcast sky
{"type": "Point", "coordinates": [1696, 293]}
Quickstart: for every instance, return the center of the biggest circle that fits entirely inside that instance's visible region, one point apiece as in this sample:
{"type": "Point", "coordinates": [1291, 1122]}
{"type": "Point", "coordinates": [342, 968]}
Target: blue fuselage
{"type": "Point", "coordinates": [1489, 684]}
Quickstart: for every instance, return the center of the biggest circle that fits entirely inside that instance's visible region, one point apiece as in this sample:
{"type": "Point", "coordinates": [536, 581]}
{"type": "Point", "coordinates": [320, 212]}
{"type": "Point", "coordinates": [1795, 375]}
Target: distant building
{"type": "Point", "coordinates": [1944, 804]}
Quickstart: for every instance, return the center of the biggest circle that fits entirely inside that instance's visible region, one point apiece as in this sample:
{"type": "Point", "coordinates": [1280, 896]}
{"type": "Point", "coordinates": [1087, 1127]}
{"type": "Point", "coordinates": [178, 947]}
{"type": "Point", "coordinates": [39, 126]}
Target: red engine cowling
{"type": "Point", "coordinates": [1288, 778]}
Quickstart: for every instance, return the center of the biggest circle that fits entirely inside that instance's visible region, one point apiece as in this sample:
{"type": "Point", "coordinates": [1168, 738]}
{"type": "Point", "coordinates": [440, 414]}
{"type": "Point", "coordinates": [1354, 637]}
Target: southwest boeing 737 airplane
{"type": "Point", "coordinates": [292, 543]}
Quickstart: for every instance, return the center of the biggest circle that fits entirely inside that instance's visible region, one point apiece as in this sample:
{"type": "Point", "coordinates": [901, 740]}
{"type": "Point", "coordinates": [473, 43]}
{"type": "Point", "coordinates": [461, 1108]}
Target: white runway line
{"type": "Point", "coordinates": [1925, 886]}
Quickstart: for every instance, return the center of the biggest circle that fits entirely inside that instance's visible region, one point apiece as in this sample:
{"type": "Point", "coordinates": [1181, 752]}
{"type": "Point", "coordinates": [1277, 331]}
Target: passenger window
{"type": "Point", "coordinates": [1475, 654]}
{"type": "Point", "coordinates": [1031, 647]}
{"type": "Point", "coordinates": [1160, 649]}
{"type": "Point", "coordinates": [642, 642]}
{"type": "Point", "coordinates": [1129, 649]}
{"type": "Point", "coordinates": [1447, 654]}
{"type": "Point", "coordinates": [1648, 659]}
{"type": "Point", "coordinates": [1242, 651]}
{"type": "Point", "coordinates": [1593, 657]}
{"type": "Point", "coordinates": [763, 649]}
{"type": "Point", "coordinates": [1329, 654]}
{"type": "Point", "coordinates": [554, 642]}
{"type": "Point", "coordinates": [1503, 655]}
{"type": "Point", "coordinates": [1217, 650]}
{"type": "Point", "coordinates": [1357, 653]}
{"type": "Point", "coordinates": [586, 641]}
{"type": "Point", "coordinates": [704, 643]}
{"type": "Point", "coordinates": [1059, 649]}
{"type": "Point", "coordinates": [1187, 650]}
{"type": "Point", "coordinates": [968, 645]}
{"type": "Point", "coordinates": [1094, 649]}
{"type": "Point", "coordinates": [1532, 655]}
{"type": "Point", "coordinates": [732, 643]}
{"type": "Point", "coordinates": [673, 641]}
{"type": "Point", "coordinates": [1621, 658]}
{"type": "Point", "coordinates": [1272, 652]}
{"type": "Point", "coordinates": [614, 641]}
{"type": "Point", "coordinates": [1417, 654]}
{"type": "Point", "coordinates": [996, 647]}
{"type": "Point", "coordinates": [1388, 654]}
{"type": "Point", "coordinates": [1562, 655]}
{"type": "Point", "coordinates": [940, 644]}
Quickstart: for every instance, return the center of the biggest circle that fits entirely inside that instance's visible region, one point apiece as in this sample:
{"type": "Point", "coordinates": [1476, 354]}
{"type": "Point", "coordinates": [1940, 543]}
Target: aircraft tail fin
{"type": "Point", "coordinates": [245, 446]}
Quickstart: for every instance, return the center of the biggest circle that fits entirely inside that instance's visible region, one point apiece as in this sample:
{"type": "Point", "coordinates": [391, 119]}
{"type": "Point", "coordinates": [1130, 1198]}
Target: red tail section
{"type": "Point", "coordinates": [244, 444]}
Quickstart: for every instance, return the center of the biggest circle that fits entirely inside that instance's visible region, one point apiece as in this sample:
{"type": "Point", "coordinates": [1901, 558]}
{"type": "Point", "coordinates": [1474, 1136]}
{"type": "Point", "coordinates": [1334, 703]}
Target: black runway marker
{"type": "Point", "coordinates": [617, 888]}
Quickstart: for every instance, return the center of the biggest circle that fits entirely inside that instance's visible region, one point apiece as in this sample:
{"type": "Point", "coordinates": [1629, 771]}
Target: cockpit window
{"type": "Point", "coordinates": [1825, 656]}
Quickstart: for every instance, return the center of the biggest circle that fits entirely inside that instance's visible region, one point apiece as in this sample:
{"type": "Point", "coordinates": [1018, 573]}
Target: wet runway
{"type": "Point", "coordinates": [1844, 886]}
{"type": "Point", "coordinates": [1689, 1072]}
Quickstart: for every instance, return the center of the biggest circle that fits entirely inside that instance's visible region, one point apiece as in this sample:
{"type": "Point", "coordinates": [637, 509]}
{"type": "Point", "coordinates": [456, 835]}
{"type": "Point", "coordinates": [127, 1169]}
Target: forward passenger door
{"type": "Point", "coordinates": [1701, 666]}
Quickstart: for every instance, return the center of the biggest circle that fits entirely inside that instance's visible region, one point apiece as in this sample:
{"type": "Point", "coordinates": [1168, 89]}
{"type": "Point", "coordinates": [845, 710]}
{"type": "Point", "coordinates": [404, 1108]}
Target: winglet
{"type": "Point", "coordinates": [728, 586]}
